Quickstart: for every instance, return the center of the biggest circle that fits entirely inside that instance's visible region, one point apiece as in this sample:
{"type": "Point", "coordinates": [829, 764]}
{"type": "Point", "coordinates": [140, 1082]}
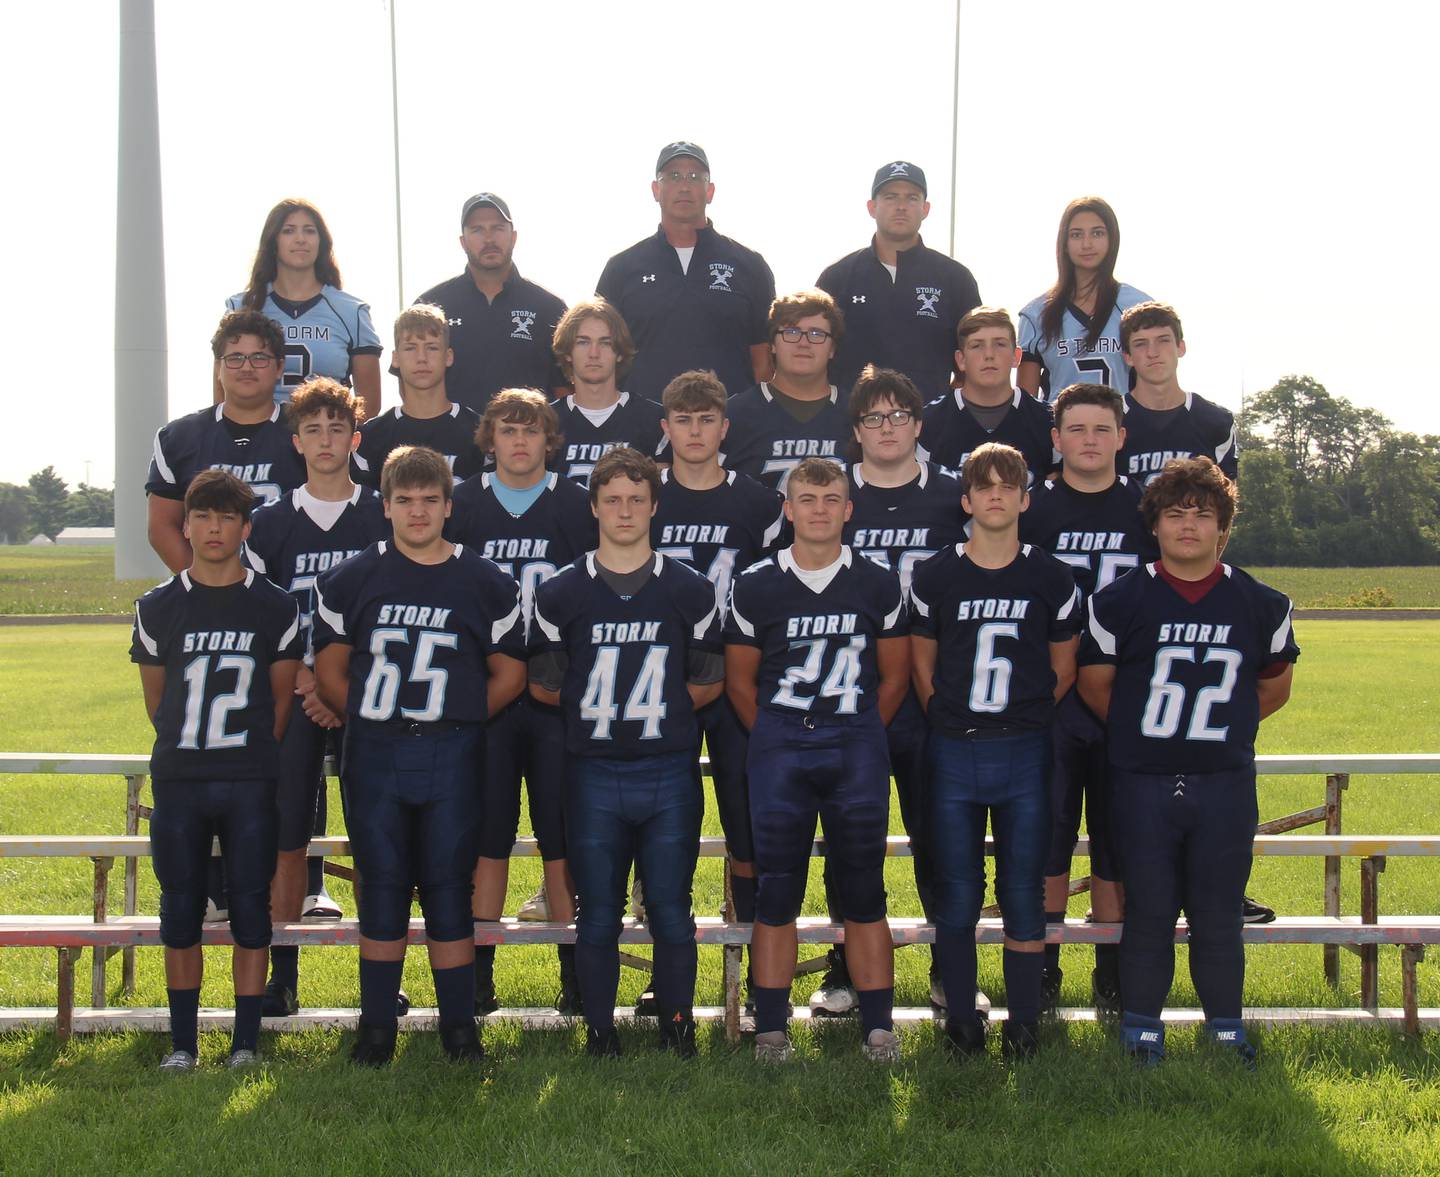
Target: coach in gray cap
{"type": "Point", "coordinates": [901, 300]}
{"type": "Point", "coordinates": [691, 298]}
{"type": "Point", "coordinates": [500, 323]}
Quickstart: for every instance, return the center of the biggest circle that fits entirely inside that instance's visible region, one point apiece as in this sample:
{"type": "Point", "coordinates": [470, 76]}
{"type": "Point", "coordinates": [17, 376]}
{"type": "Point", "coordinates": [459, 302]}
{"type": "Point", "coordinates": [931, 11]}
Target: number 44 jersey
{"type": "Point", "coordinates": [420, 633]}
{"type": "Point", "coordinates": [217, 716]}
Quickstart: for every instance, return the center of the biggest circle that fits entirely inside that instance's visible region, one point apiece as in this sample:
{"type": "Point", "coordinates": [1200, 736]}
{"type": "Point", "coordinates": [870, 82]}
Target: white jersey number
{"type": "Point", "coordinates": [382, 684]}
{"type": "Point", "coordinates": [1165, 706]}
{"type": "Point", "coordinates": [216, 737]}
{"type": "Point", "coordinates": [645, 704]}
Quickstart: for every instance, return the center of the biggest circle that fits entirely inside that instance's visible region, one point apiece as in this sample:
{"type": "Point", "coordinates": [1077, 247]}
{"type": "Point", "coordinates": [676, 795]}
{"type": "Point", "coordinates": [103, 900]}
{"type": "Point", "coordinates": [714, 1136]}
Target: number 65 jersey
{"type": "Point", "coordinates": [420, 632]}
{"type": "Point", "coordinates": [1187, 655]}
{"type": "Point", "coordinates": [217, 644]}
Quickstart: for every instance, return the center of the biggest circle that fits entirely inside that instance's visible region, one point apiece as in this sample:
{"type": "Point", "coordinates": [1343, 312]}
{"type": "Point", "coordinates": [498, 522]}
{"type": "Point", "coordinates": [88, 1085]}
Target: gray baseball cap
{"type": "Point", "coordinates": [485, 200]}
{"type": "Point", "coordinates": [899, 170]}
{"type": "Point", "coordinates": [676, 150]}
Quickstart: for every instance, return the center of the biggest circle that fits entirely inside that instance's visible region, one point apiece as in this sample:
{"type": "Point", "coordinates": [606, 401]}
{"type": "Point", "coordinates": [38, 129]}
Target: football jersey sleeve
{"type": "Point", "coordinates": [1099, 641]}
{"type": "Point", "coordinates": [507, 630]}
{"type": "Point", "coordinates": [366, 339]}
{"type": "Point", "coordinates": [145, 638]}
{"type": "Point", "coordinates": [701, 612]}
{"type": "Point", "coordinates": [1276, 613]}
{"type": "Point", "coordinates": [923, 586]}
{"type": "Point", "coordinates": [1064, 600]}
{"type": "Point", "coordinates": [162, 479]}
{"type": "Point", "coordinates": [287, 638]}
{"type": "Point", "coordinates": [740, 627]}
{"type": "Point", "coordinates": [328, 623]}
{"type": "Point", "coordinates": [894, 620]}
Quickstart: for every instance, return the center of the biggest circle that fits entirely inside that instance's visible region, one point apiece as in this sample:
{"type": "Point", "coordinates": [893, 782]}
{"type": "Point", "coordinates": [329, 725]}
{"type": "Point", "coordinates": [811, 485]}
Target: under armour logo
{"type": "Point", "coordinates": [523, 321]}
{"type": "Point", "coordinates": [720, 275]}
{"type": "Point", "coordinates": [857, 298]}
{"type": "Point", "coordinates": [927, 296]}
{"type": "Point", "coordinates": [647, 278]}
{"type": "Point", "coordinates": [454, 322]}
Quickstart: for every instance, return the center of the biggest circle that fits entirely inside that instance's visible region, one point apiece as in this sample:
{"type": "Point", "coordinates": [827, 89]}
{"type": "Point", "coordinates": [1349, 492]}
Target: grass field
{"type": "Point", "coordinates": [1325, 1101]}
{"type": "Point", "coordinates": [81, 580]}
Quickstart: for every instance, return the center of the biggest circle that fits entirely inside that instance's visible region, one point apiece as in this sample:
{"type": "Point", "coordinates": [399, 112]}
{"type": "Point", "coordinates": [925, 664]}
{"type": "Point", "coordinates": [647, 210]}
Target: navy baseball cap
{"type": "Point", "coordinates": [899, 170]}
{"type": "Point", "coordinates": [485, 200]}
{"type": "Point", "coordinates": [676, 150]}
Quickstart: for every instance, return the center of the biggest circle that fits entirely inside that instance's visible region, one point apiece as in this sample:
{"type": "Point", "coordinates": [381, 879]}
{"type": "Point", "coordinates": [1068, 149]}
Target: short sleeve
{"type": "Point", "coordinates": [368, 459]}
{"type": "Point", "coordinates": [162, 480]}
{"type": "Point", "coordinates": [1098, 640]}
{"type": "Point", "coordinates": [1279, 629]}
{"type": "Point", "coordinates": [740, 628]}
{"type": "Point", "coordinates": [328, 623]}
{"type": "Point", "coordinates": [507, 629]}
{"type": "Point", "coordinates": [894, 619]}
{"type": "Point", "coordinates": [760, 327]}
{"type": "Point", "coordinates": [702, 614]}
{"type": "Point", "coordinates": [367, 341]}
{"type": "Point", "coordinates": [546, 633]}
{"type": "Point", "coordinates": [1028, 340]}
{"type": "Point", "coordinates": [1066, 611]}
{"type": "Point", "coordinates": [1227, 453]}
{"type": "Point", "coordinates": [290, 642]}
{"type": "Point", "coordinates": [923, 599]}
{"type": "Point", "coordinates": [144, 644]}
{"type": "Point", "coordinates": [608, 287]}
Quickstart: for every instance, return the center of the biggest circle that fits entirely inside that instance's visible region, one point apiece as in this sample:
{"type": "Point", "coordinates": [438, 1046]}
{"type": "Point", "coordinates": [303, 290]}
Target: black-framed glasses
{"type": "Point", "coordinates": [896, 417]}
{"type": "Point", "coordinates": [685, 177]}
{"type": "Point", "coordinates": [795, 334]}
{"type": "Point", "coordinates": [256, 359]}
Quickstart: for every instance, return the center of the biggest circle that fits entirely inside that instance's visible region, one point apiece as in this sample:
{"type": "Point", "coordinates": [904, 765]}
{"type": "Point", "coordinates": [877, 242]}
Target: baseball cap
{"type": "Point", "coordinates": [899, 170]}
{"type": "Point", "coordinates": [676, 150]}
{"type": "Point", "coordinates": [485, 200]}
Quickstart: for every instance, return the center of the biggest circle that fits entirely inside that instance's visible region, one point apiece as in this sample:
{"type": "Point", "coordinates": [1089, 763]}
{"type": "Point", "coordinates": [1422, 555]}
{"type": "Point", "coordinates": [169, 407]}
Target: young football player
{"type": "Point", "coordinates": [218, 649]}
{"type": "Point", "coordinates": [627, 642]}
{"type": "Point", "coordinates": [1162, 420]}
{"type": "Point", "coordinates": [797, 413]}
{"type": "Point", "coordinates": [531, 522]}
{"type": "Point", "coordinates": [1071, 333]}
{"type": "Point", "coordinates": [292, 541]}
{"type": "Point", "coordinates": [426, 415]}
{"type": "Point", "coordinates": [417, 642]}
{"type": "Point", "coordinates": [594, 350]}
{"type": "Point", "coordinates": [719, 522]}
{"type": "Point", "coordinates": [988, 408]}
{"type": "Point", "coordinates": [1181, 660]}
{"type": "Point", "coordinates": [817, 662]}
{"type": "Point", "coordinates": [242, 434]}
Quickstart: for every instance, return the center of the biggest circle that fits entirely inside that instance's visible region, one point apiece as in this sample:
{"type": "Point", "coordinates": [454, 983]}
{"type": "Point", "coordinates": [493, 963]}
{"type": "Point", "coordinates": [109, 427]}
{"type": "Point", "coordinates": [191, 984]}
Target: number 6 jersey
{"type": "Point", "coordinates": [993, 628]}
{"type": "Point", "coordinates": [217, 715]}
{"type": "Point", "coordinates": [1187, 655]}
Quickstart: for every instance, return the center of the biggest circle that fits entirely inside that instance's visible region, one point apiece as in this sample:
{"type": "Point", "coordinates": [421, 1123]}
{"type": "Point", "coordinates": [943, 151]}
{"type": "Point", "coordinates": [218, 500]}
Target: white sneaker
{"type": "Point", "coordinates": [241, 1060]}
{"type": "Point", "coordinates": [637, 901]}
{"type": "Point", "coordinates": [536, 908]}
{"type": "Point", "coordinates": [937, 993]}
{"type": "Point", "coordinates": [215, 915]}
{"type": "Point", "coordinates": [178, 1062]}
{"type": "Point", "coordinates": [773, 1049]}
{"type": "Point", "coordinates": [881, 1047]}
{"type": "Point", "coordinates": [836, 996]}
{"type": "Point", "coordinates": [320, 907]}
{"type": "Point", "coordinates": [982, 1004]}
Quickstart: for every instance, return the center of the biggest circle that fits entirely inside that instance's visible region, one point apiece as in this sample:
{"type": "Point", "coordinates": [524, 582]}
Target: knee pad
{"type": "Point", "coordinates": [598, 924]}
{"type": "Point", "coordinates": [250, 918]}
{"type": "Point", "coordinates": [957, 905]}
{"type": "Point", "coordinates": [669, 923]}
{"type": "Point", "coordinates": [1022, 909]}
{"type": "Point", "coordinates": [182, 915]}
{"type": "Point", "coordinates": [779, 898]}
{"type": "Point", "coordinates": [862, 895]}
{"type": "Point", "coordinates": [446, 907]}
{"type": "Point", "coordinates": [385, 910]}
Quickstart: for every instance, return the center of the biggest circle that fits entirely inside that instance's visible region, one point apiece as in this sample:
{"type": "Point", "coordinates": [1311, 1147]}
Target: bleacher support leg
{"type": "Point", "coordinates": [133, 785]}
{"type": "Point", "coordinates": [65, 994]}
{"type": "Point", "coordinates": [1410, 956]}
{"type": "Point", "coordinates": [1370, 869]}
{"type": "Point", "coordinates": [99, 954]}
{"type": "Point", "coordinates": [733, 954]}
{"type": "Point", "coordinates": [1335, 784]}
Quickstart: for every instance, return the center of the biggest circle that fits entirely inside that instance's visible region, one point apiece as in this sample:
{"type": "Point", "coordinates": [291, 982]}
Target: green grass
{"type": "Point", "coordinates": [1326, 1100]}
{"type": "Point", "coordinates": [1341, 588]}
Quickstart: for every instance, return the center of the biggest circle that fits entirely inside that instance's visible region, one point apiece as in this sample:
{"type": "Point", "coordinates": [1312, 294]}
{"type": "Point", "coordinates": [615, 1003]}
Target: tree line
{"type": "Point", "coordinates": [46, 506]}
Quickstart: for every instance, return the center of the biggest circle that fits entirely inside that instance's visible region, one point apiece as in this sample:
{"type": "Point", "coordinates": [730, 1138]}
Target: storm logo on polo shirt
{"type": "Point", "coordinates": [927, 297]}
{"type": "Point", "coordinates": [720, 275]}
{"type": "Point", "coordinates": [523, 321]}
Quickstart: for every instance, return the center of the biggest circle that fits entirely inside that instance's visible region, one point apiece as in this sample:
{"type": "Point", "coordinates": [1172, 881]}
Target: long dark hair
{"type": "Point", "coordinates": [262, 273]}
{"type": "Point", "coordinates": [1106, 288]}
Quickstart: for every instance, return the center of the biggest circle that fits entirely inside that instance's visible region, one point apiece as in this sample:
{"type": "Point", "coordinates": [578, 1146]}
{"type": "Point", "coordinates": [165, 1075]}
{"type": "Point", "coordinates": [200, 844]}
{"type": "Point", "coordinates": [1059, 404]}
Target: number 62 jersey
{"type": "Point", "coordinates": [1187, 656]}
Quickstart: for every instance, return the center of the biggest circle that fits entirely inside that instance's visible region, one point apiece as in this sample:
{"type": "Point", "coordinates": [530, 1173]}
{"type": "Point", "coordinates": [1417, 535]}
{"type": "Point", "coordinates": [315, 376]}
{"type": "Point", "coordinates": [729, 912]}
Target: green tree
{"type": "Point", "coordinates": [48, 494]}
{"type": "Point", "coordinates": [90, 506]}
{"type": "Point", "coordinates": [15, 507]}
{"type": "Point", "coordinates": [1265, 527]}
{"type": "Point", "coordinates": [1399, 477]}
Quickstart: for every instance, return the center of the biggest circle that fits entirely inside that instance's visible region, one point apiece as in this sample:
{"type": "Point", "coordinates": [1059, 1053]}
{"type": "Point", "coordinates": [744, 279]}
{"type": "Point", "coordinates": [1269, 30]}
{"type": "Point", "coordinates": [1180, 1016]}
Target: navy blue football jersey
{"type": "Point", "coordinates": [1184, 697]}
{"type": "Point", "coordinates": [993, 628]}
{"type": "Point", "coordinates": [899, 526]}
{"type": "Point", "coordinates": [420, 632]}
{"type": "Point", "coordinates": [817, 649]}
{"type": "Point", "coordinates": [950, 432]}
{"type": "Point", "coordinates": [1198, 427]}
{"type": "Point", "coordinates": [634, 421]}
{"type": "Point", "coordinates": [323, 335]}
{"type": "Point", "coordinates": [262, 456]}
{"type": "Point", "coordinates": [451, 435]}
{"type": "Point", "coordinates": [766, 442]}
{"type": "Point", "coordinates": [718, 532]}
{"type": "Point", "coordinates": [289, 547]}
{"type": "Point", "coordinates": [217, 714]}
{"type": "Point", "coordinates": [1100, 534]}
{"type": "Point", "coordinates": [624, 693]}
{"type": "Point", "coordinates": [1069, 360]}
{"type": "Point", "coordinates": [556, 529]}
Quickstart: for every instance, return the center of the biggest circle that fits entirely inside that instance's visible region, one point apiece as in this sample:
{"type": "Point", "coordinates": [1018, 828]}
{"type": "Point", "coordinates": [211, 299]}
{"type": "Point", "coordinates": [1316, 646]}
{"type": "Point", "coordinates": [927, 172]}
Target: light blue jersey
{"type": "Point", "coordinates": [1066, 361]}
{"type": "Point", "coordinates": [322, 334]}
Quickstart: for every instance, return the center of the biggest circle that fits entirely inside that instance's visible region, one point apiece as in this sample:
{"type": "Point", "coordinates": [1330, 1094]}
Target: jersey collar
{"type": "Point", "coordinates": [919, 461]}
{"type": "Point", "coordinates": [787, 561]}
{"type": "Point", "coordinates": [188, 584]}
{"type": "Point", "coordinates": [770, 399]}
{"type": "Point", "coordinates": [1017, 393]}
{"type": "Point", "coordinates": [220, 412]}
{"type": "Point", "coordinates": [593, 569]}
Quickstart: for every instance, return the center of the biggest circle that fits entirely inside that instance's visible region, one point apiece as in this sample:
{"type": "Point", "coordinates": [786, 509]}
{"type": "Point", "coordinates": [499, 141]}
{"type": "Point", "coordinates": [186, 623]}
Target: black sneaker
{"type": "Point", "coordinates": [402, 1003]}
{"type": "Point", "coordinates": [568, 1001]}
{"type": "Point", "coordinates": [1050, 981]}
{"type": "Point", "coordinates": [1248, 1055]}
{"type": "Point", "coordinates": [279, 1001]}
{"type": "Point", "coordinates": [1256, 913]}
{"type": "Point", "coordinates": [602, 1044]}
{"type": "Point", "coordinates": [965, 1037]}
{"type": "Point", "coordinates": [485, 1000]}
{"type": "Point", "coordinates": [677, 1034]}
{"type": "Point", "coordinates": [461, 1043]}
{"type": "Point", "coordinates": [1019, 1040]}
{"type": "Point", "coordinates": [374, 1046]}
{"type": "Point", "coordinates": [647, 1007]}
{"type": "Point", "coordinates": [1105, 992]}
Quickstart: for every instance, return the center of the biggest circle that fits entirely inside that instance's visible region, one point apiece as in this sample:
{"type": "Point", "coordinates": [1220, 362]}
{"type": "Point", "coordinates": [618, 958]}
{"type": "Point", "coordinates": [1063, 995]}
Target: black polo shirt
{"type": "Point", "coordinates": [502, 344]}
{"type": "Point", "coordinates": [707, 317]}
{"type": "Point", "coordinates": [906, 323]}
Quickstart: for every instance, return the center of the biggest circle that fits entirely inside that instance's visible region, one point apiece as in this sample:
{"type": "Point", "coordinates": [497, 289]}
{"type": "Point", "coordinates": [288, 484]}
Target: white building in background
{"type": "Point", "coordinates": [72, 537]}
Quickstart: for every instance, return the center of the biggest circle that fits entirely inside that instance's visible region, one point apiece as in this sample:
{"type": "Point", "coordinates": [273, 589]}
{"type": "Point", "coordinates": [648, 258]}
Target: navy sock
{"type": "Point", "coordinates": [379, 985]}
{"type": "Point", "coordinates": [1107, 963]}
{"type": "Point", "coordinates": [772, 1008]}
{"type": "Point", "coordinates": [1022, 984]}
{"type": "Point", "coordinates": [674, 977]}
{"type": "Point", "coordinates": [484, 965]}
{"type": "Point", "coordinates": [566, 953]}
{"type": "Point", "coordinates": [597, 968]}
{"type": "Point", "coordinates": [455, 994]}
{"type": "Point", "coordinates": [246, 1034]}
{"type": "Point", "coordinates": [1052, 951]}
{"type": "Point", "coordinates": [742, 891]}
{"type": "Point", "coordinates": [285, 966]}
{"type": "Point", "coordinates": [876, 1007]}
{"type": "Point", "coordinates": [185, 1019]}
{"type": "Point", "coordinates": [955, 953]}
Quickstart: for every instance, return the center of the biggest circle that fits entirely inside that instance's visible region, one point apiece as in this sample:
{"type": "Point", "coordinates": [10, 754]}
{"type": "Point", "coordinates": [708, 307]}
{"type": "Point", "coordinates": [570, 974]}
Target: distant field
{"type": "Point", "coordinates": [80, 580]}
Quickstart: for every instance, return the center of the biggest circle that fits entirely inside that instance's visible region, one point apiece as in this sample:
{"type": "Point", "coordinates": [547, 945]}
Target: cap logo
{"type": "Point", "coordinates": [899, 170]}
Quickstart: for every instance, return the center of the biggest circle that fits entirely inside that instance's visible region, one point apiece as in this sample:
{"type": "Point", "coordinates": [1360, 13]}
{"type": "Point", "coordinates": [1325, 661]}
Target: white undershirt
{"type": "Point", "coordinates": [684, 253]}
{"type": "Point", "coordinates": [324, 512]}
{"type": "Point", "coordinates": [817, 580]}
{"type": "Point", "coordinates": [894, 271]}
{"type": "Point", "coordinates": [598, 417]}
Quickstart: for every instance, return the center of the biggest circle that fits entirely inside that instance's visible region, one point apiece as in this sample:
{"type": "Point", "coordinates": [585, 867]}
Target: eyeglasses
{"type": "Point", "coordinates": [896, 417]}
{"type": "Point", "coordinates": [685, 177]}
{"type": "Point", "coordinates": [256, 359]}
{"type": "Point", "coordinates": [794, 334]}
